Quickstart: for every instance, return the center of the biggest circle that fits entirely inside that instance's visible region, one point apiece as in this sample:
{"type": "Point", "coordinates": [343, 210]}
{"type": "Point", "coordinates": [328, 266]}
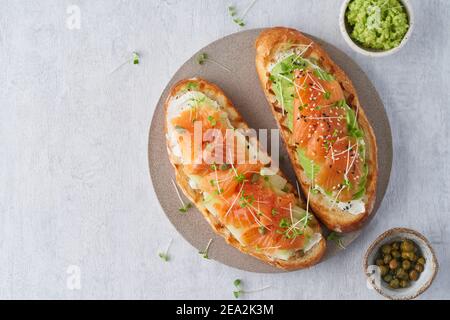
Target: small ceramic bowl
{"type": "Point", "coordinates": [417, 287]}
{"type": "Point", "coordinates": [372, 52]}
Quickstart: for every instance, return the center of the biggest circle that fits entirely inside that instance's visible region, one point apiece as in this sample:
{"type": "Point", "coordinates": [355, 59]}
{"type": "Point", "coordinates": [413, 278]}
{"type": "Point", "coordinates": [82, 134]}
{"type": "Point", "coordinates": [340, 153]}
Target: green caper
{"type": "Point", "coordinates": [395, 254]}
{"type": "Point", "coordinates": [387, 258]}
{"type": "Point", "coordinates": [404, 283]}
{"type": "Point", "coordinates": [383, 270]}
{"type": "Point", "coordinates": [419, 268]}
{"type": "Point", "coordinates": [421, 260]}
{"type": "Point", "coordinates": [405, 255]}
{"type": "Point", "coordinates": [413, 275]}
{"type": "Point", "coordinates": [406, 265]}
{"type": "Point", "coordinates": [401, 274]}
{"type": "Point", "coordinates": [386, 249]}
{"type": "Point", "coordinates": [407, 246]}
{"type": "Point", "coordinates": [393, 264]}
{"type": "Point", "coordinates": [379, 262]}
{"type": "Point", "coordinates": [409, 255]}
{"type": "Point", "coordinates": [387, 278]}
{"type": "Point", "coordinates": [394, 283]}
{"type": "Point", "coordinates": [395, 246]}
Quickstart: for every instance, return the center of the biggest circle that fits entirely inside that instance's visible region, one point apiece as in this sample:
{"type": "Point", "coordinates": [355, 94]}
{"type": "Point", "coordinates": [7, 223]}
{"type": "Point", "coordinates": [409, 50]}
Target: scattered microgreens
{"type": "Point", "coordinates": [135, 59]}
{"type": "Point", "coordinates": [232, 11]}
{"type": "Point", "coordinates": [246, 200]}
{"type": "Point", "coordinates": [262, 230]}
{"type": "Point", "coordinates": [239, 291]}
{"type": "Point", "coordinates": [204, 253]}
{"type": "Point", "coordinates": [284, 223]}
{"type": "Point", "coordinates": [274, 212]}
{"type": "Point", "coordinates": [347, 183]}
{"type": "Point", "coordinates": [185, 206]}
{"type": "Point", "coordinates": [336, 238]}
{"type": "Point", "coordinates": [340, 103]}
{"type": "Point", "coordinates": [327, 95]}
{"type": "Point", "coordinates": [204, 57]}
{"type": "Point", "coordinates": [240, 20]}
{"type": "Point", "coordinates": [192, 85]}
{"type": "Point", "coordinates": [165, 255]}
{"type": "Point", "coordinates": [240, 178]}
{"type": "Point", "coordinates": [225, 167]}
{"type": "Point", "coordinates": [212, 121]}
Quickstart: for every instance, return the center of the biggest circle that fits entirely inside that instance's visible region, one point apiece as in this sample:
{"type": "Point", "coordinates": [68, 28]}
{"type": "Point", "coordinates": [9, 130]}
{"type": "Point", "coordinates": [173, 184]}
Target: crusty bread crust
{"type": "Point", "coordinates": [310, 258]}
{"type": "Point", "coordinates": [268, 44]}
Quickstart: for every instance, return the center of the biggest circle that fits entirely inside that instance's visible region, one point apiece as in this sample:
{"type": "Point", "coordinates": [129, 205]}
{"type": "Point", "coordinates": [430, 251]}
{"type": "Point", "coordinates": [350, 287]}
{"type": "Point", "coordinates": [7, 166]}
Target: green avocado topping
{"type": "Point", "coordinates": [377, 24]}
{"type": "Point", "coordinates": [311, 169]}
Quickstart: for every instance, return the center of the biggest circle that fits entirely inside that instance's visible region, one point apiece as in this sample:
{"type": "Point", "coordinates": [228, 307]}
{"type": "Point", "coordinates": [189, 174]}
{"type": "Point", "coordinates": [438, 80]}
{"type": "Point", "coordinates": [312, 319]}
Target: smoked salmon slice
{"type": "Point", "coordinates": [242, 197]}
{"type": "Point", "coordinates": [321, 130]}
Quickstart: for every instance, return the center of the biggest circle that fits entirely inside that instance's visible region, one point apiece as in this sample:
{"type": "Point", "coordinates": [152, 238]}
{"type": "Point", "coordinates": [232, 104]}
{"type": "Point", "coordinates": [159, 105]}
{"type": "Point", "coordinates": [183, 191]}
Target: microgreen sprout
{"type": "Point", "coordinates": [212, 121]}
{"type": "Point", "coordinates": [246, 200]}
{"type": "Point", "coordinates": [240, 177]}
{"type": "Point", "coordinates": [165, 255]}
{"type": "Point", "coordinates": [232, 11]}
{"type": "Point", "coordinates": [185, 206]}
{"type": "Point", "coordinates": [239, 291]}
{"type": "Point", "coordinates": [135, 59]}
{"type": "Point", "coordinates": [204, 253]}
{"type": "Point", "coordinates": [240, 20]}
{"type": "Point", "coordinates": [202, 58]}
{"type": "Point", "coordinates": [262, 230]}
{"type": "Point", "coordinates": [336, 238]}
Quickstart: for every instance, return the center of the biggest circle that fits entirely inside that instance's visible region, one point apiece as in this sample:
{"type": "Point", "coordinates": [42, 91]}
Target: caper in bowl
{"type": "Point", "coordinates": [400, 262]}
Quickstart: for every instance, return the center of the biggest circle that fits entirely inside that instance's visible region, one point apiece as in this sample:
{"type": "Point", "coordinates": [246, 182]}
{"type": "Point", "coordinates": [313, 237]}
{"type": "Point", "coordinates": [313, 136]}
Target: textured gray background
{"type": "Point", "coordinates": [75, 186]}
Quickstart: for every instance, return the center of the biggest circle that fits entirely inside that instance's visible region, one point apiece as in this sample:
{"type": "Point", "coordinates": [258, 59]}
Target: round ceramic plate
{"type": "Point", "coordinates": [241, 84]}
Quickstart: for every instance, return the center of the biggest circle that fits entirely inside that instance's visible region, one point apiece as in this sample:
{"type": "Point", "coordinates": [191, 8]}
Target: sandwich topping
{"type": "Point", "coordinates": [254, 203]}
{"type": "Point", "coordinates": [324, 129]}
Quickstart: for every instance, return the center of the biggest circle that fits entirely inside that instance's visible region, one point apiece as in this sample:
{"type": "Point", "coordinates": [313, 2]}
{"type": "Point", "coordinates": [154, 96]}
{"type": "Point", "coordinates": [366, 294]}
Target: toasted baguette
{"type": "Point", "coordinates": [311, 257]}
{"type": "Point", "coordinates": [268, 44]}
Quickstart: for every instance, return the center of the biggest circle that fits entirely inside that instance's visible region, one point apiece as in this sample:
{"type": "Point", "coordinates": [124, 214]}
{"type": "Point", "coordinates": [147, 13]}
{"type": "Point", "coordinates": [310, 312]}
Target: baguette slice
{"type": "Point", "coordinates": [297, 259]}
{"type": "Point", "coordinates": [270, 46]}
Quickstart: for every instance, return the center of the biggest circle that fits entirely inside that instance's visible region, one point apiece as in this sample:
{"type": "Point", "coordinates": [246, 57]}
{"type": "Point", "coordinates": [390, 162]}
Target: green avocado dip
{"type": "Point", "coordinates": [377, 24]}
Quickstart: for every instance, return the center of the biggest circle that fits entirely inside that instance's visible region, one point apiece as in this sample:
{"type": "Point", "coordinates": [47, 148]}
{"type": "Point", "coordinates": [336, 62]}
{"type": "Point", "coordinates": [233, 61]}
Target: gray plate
{"type": "Point", "coordinates": [242, 86]}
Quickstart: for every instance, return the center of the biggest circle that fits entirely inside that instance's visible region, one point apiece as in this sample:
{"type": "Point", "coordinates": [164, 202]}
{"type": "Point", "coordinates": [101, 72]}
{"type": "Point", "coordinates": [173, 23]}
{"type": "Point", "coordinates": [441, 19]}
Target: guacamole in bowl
{"type": "Point", "coordinates": [376, 25]}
